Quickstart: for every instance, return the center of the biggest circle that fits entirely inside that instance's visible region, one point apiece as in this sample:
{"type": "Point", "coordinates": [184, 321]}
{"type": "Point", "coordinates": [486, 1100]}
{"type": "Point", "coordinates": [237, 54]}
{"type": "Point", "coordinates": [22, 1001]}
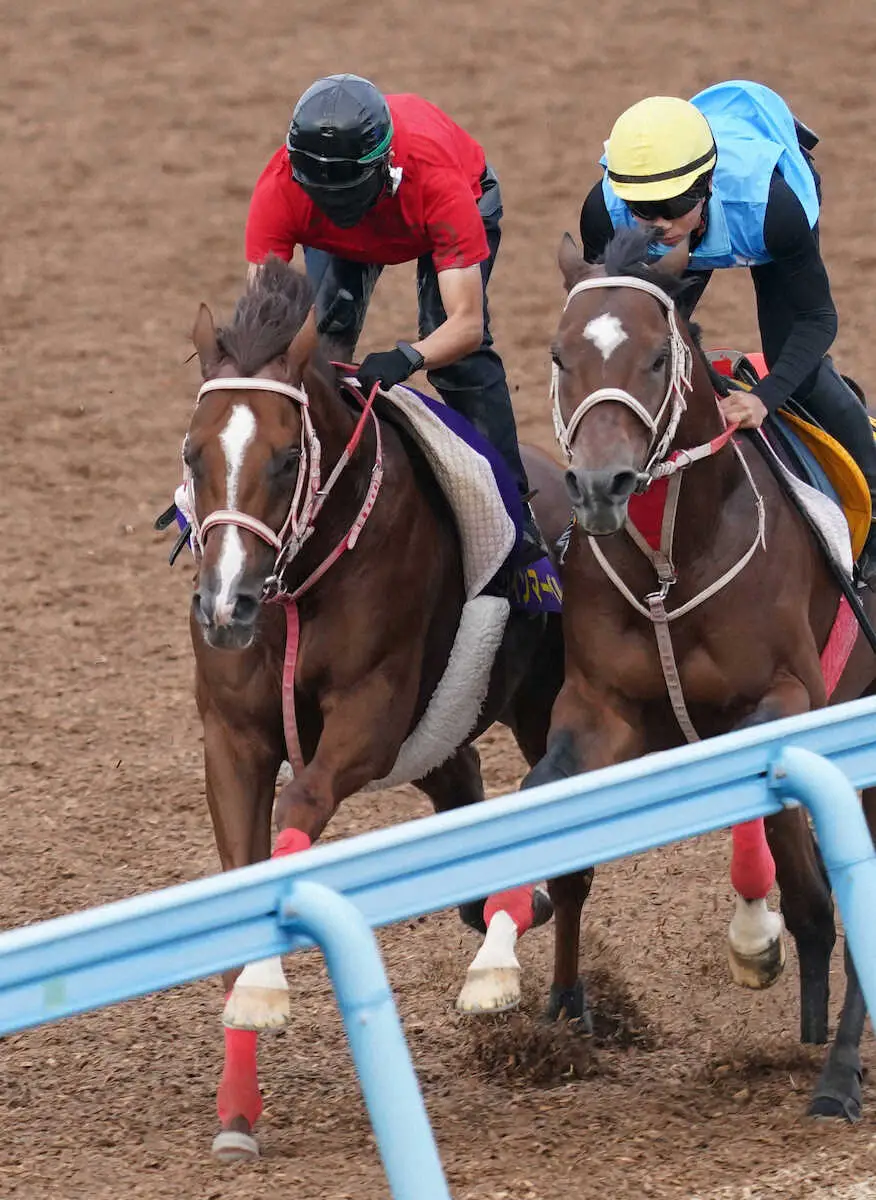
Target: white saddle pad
{"type": "Point", "coordinates": [459, 697]}
{"type": "Point", "coordinates": [825, 513]}
{"type": "Point", "coordinates": [466, 478]}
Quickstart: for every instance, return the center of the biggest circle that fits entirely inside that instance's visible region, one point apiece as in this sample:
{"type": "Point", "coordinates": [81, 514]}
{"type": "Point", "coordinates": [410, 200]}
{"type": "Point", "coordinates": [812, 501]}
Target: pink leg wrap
{"type": "Point", "coordinates": [516, 902]}
{"type": "Point", "coordinates": [239, 1094]}
{"type": "Point", "coordinates": [290, 841]}
{"type": "Point", "coordinates": [752, 870]}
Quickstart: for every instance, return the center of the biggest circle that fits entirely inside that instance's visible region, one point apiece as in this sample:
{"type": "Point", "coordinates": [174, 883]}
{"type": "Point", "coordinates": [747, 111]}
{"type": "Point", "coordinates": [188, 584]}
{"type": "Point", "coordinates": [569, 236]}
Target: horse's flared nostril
{"type": "Point", "coordinates": [622, 486]}
{"type": "Point", "coordinates": [246, 609]}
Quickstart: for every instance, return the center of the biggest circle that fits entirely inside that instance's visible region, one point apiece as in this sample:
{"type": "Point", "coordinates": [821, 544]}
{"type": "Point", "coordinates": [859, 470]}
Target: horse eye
{"type": "Point", "coordinates": [192, 458]}
{"type": "Point", "coordinates": [286, 461]}
{"type": "Point", "coordinates": [660, 361]}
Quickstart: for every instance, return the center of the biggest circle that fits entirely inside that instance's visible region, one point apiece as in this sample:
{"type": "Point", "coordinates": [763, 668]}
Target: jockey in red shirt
{"type": "Point", "coordinates": [366, 181]}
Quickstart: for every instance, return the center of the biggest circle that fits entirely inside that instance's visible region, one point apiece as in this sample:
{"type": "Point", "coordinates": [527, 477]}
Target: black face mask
{"type": "Point", "coordinates": [346, 206]}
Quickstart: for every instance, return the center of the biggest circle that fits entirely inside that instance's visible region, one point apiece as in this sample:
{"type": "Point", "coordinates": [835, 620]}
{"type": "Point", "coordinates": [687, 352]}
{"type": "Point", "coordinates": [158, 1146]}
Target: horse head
{"type": "Point", "coordinates": [250, 451]}
{"type": "Point", "coordinates": [620, 370]}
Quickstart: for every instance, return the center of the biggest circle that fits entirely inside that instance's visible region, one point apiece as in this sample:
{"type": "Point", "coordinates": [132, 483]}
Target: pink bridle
{"type": "Point", "coordinates": [310, 493]}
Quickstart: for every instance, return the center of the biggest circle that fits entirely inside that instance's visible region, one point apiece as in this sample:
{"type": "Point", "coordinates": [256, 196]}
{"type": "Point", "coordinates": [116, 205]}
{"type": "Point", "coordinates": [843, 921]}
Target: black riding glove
{"type": "Point", "coordinates": [389, 367]}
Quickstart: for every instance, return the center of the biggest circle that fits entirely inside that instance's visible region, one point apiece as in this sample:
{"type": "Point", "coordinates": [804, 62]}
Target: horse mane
{"type": "Point", "coordinates": [267, 316]}
{"type": "Point", "coordinates": [628, 253]}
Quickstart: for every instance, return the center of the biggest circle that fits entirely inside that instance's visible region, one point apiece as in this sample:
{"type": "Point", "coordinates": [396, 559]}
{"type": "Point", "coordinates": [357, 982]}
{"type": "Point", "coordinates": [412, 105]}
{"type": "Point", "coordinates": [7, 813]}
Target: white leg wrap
{"type": "Point", "coordinates": [259, 999]}
{"type": "Point", "coordinates": [492, 983]}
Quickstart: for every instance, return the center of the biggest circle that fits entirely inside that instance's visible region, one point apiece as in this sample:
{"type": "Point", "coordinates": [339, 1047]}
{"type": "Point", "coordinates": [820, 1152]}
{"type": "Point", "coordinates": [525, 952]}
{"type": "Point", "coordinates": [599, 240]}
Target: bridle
{"type": "Point", "coordinates": [309, 494]}
{"type": "Point", "coordinates": [678, 384]}
{"type": "Point", "coordinates": [662, 463]}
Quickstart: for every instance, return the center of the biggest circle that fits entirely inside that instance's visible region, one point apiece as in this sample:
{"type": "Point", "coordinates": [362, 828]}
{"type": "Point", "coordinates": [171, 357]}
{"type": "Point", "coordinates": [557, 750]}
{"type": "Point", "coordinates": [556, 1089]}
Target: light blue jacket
{"type": "Point", "coordinates": [755, 135]}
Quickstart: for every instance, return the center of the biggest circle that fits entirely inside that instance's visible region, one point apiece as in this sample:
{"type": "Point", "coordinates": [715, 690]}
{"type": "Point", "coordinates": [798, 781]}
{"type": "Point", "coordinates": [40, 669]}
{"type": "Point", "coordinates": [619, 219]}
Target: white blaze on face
{"type": "Point", "coordinates": [234, 439]}
{"type": "Point", "coordinates": [606, 333]}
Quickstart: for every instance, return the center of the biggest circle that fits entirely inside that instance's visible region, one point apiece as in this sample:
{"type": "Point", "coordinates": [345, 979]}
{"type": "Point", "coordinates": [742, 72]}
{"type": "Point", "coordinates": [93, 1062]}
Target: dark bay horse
{"type": "Point", "coordinates": [754, 599]}
{"type": "Point", "coordinates": [281, 465]}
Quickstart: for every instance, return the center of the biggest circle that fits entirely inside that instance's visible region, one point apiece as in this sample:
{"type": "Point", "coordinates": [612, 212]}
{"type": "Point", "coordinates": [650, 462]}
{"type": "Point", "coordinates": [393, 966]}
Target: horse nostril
{"type": "Point", "coordinates": [246, 609]}
{"type": "Point", "coordinates": [573, 487]}
{"type": "Point", "coordinates": [623, 485]}
{"type": "Point", "coordinates": [198, 609]}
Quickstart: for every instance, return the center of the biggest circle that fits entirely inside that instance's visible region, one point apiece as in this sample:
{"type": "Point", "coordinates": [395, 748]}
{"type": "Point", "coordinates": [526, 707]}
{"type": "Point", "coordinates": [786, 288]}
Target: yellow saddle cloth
{"type": "Point", "coordinates": [846, 477]}
{"type": "Point", "coordinates": [844, 474]}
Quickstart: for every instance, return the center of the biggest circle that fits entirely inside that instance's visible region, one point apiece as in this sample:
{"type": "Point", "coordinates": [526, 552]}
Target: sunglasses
{"type": "Point", "coordinates": [667, 210]}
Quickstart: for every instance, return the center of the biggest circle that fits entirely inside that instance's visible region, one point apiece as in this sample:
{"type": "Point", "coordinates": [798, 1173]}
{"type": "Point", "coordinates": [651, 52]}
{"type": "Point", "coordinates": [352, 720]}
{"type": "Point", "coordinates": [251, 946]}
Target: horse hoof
{"type": "Point", "coordinates": [489, 990]}
{"type": "Point", "coordinates": [760, 970]}
{"type": "Point", "coordinates": [230, 1145]}
{"type": "Point", "coordinates": [830, 1107]}
{"type": "Point", "coordinates": [257, 1008]}
{"type": "Point", "coordinates": [570, 1005]}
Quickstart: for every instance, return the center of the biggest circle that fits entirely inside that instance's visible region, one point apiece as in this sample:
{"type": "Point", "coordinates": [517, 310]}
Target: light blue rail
{"type": "Point", "coordinates": [336, 894]}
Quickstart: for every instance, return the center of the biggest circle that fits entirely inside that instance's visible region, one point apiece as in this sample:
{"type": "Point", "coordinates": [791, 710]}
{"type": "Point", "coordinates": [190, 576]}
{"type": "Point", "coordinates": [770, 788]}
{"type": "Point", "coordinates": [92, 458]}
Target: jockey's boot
{"type": "Point", "coordinates": [532, 545]}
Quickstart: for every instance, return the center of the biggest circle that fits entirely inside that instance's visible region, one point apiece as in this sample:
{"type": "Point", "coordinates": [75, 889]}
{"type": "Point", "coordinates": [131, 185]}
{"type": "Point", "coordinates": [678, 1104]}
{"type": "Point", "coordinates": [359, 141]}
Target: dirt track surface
{"type": "Point", "coordinates": [132, 136]}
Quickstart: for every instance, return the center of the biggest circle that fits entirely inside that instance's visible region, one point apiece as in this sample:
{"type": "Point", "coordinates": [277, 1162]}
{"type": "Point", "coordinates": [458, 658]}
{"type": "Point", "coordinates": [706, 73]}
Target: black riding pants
{"type": "Point", "coordinates": [475, 386]}
{"type": "Point", "coordinates": [836, 407]}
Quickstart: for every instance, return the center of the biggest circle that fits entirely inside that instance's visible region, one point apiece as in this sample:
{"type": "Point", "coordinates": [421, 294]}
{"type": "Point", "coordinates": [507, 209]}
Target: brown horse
{"type": "Point", "coordinates": [281, 465]}
{"type": "Point", "coordinates": [631, 387]}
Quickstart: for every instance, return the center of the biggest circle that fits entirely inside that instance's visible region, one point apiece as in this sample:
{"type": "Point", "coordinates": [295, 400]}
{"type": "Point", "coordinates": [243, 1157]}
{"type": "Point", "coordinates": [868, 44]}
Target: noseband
{"type": "Point", "coordinates": [678, 382]}
{"type": "Point", "coordinates": [309, 494]}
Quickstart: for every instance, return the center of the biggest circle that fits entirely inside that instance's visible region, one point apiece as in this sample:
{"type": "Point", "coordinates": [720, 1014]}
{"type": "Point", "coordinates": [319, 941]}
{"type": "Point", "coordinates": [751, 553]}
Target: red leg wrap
{"type": "Point", "coordinates": [239, 1094]}
{"type": "Point", "coordinates": [752, 870]}
{"type": "Point", "coordinates": [290, 841]}
{"type": "Point", "coordinates": [516, 902]}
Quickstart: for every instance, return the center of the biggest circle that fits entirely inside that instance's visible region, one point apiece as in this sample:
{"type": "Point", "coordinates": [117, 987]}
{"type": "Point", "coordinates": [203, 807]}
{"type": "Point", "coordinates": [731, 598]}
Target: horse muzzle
{"type": "Point", "coordinates": [227, 618]}
{"type": "Point", "coordinates": [600, 498]}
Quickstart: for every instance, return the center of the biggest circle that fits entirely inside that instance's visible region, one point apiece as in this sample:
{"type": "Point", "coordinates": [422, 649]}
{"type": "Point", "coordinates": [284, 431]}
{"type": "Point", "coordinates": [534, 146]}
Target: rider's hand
{"type": "Point", "coordinates": [387, 368]}
{"type": "Point", "coordinates": [743, 409]}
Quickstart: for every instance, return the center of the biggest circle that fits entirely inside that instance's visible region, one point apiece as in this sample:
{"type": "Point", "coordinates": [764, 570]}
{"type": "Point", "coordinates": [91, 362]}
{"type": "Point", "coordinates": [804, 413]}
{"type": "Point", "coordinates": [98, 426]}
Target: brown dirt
{"type": "Point", "coordinates": [132, 135]}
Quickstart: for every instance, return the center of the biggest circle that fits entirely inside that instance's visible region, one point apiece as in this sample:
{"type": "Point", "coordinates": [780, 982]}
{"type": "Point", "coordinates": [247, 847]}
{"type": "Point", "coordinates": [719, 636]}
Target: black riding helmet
{"type": "Point", "coordinates": [339, 142]}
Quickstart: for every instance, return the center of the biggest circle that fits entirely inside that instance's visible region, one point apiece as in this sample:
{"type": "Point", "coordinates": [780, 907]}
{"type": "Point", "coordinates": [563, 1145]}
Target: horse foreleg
{"type": "Point", "coordinates": [240, 772]}
{"type": "Point", "coordinates": [755, 945]}
{"type": "Point", "coordinates": [568, 998]}
{"type": "Point", "coordinates": [587, 733]}
{"type": "Point", "coordinates": [352, 751]}
{"type": "Point", "coordinates": [493, 980]}
{"type": "Point", "coordinates": [838, 1091]}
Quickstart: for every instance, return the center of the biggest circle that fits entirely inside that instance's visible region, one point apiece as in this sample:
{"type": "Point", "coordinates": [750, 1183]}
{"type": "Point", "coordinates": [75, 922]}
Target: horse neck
{"type": "Point", "coordinates": [712, 480]}
{"type": "Point", "coordinates": [334, 422]}
{"type": "Point", "coordinates": [333, 419]}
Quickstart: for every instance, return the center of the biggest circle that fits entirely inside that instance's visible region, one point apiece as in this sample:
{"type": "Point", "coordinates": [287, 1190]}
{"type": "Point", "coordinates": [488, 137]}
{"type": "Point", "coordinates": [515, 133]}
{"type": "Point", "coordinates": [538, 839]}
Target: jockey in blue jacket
{"type": "Point", "coordinates": [732, 171]}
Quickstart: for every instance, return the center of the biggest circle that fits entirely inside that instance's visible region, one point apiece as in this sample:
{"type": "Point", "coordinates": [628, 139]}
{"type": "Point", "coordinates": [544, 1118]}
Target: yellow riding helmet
{"type": "Point", "coordinates": [658, 149]}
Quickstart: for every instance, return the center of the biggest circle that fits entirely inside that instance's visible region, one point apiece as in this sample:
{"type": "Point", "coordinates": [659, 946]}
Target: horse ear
{"type": "Point", "coordinates": [302, 347]}
{"type": "Point", "coordinates": [204, 338]}
{"type": "Point", "coordinates": [675, 262]}
{"type": "Point", "coordinates": [570, 259]}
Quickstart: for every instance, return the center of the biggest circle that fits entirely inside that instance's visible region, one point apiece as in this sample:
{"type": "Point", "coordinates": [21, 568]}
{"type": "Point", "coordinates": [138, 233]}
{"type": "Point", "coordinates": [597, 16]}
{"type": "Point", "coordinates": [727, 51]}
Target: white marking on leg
{"type": "Point", "coordinates": [266, 973]}
{"type": "Point", "coordinates": [492, 982]}
{"type": "Point", "coordinates": [756, 945]}
{"type": "Point", "coordinates": [607, 333]}
{"type": "Point", "coordinates": [754, 927]}
{"type": "Point", "coordinates": [259, 998]}
{"type": "Point", "coordinates": [234, 439]}
{"type": "Point", "coordinates": [498, 948]}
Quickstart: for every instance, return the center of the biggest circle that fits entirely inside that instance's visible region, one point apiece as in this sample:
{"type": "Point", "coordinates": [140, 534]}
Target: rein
{"type": "Point", "coordinates": [660, 465]}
